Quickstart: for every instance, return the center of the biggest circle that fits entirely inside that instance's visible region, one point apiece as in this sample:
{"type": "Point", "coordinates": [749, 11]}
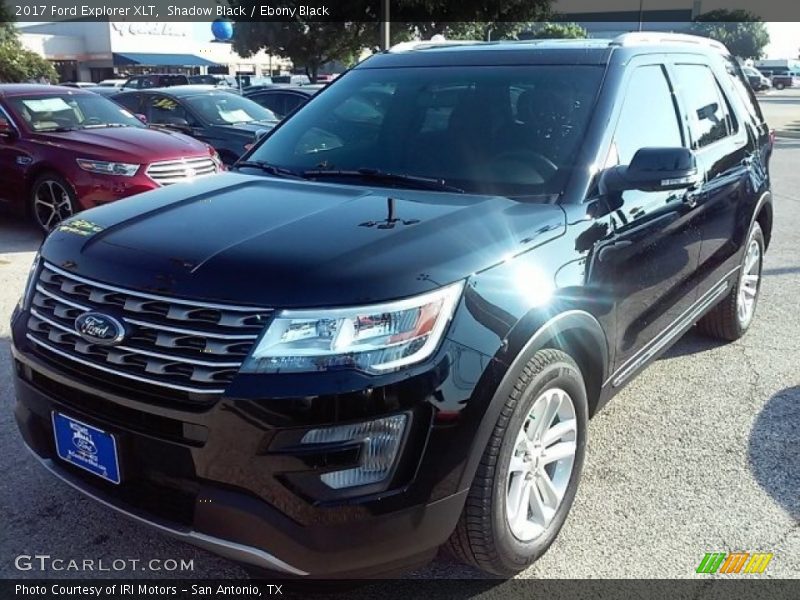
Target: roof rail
{"type": "Point", "coordinates": [656, 37]}
{"type": "Point", "coordinates": [423, 44]}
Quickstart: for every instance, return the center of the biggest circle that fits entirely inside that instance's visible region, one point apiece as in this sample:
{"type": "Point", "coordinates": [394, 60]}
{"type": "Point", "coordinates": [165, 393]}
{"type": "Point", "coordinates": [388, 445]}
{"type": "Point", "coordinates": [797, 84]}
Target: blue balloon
{"type": "Point", "coordinates": [222, 30]}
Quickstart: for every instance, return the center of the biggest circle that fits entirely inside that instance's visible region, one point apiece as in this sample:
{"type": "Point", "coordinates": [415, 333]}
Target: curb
{"type": "Point", "coordinates": [787, 134]}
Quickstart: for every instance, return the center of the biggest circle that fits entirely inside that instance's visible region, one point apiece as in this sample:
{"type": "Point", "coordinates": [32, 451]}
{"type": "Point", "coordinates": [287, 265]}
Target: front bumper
{"type": "Point", "coordinates": [212, 477]}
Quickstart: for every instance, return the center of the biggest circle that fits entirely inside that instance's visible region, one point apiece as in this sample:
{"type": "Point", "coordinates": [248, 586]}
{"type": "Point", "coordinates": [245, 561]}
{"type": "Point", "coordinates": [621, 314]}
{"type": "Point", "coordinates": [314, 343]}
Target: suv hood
{"type": "Point", "coordinates": [281, 243]}
{"type": "Point", "coordinates": [132, 144]}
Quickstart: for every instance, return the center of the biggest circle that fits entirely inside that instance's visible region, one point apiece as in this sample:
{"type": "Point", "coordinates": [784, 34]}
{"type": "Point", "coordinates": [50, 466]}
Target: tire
{"type": "Point", "coordinates": [484, 536]}
{"type": "Point", "coordinates": [52, 200]}
{"type": "Point", "coordinates": [726, 321]}
{"type": "Point", "coordinates": [779, 86]}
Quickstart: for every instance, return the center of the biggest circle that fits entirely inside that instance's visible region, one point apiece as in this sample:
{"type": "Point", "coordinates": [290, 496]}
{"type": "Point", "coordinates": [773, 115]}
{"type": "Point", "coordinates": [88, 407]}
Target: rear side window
{"type": "Point", "coordinates": [655, 126]}
{"type": "Point", "coordinates": [275, 102]}
{"type": "Point", "coordinates": [129, 101]}
{"type": "Point", "coordinates": [709, 116]}
{"type": "Point", "coordinates": [744, 91]}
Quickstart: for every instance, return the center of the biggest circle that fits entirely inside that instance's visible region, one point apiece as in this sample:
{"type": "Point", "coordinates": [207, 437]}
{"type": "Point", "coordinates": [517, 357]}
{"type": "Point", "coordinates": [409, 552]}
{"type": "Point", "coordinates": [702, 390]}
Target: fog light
{"type": "Point", "coordinates": [380, 440]}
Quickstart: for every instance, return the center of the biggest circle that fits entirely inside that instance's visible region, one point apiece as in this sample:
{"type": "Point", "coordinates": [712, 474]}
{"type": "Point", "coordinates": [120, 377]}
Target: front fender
{"type": "Point", "coordinates": [576, 331]}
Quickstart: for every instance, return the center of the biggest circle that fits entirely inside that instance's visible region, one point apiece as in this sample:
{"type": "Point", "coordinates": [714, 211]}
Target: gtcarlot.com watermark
{"type": "Point", "coordinates": [46, 562]}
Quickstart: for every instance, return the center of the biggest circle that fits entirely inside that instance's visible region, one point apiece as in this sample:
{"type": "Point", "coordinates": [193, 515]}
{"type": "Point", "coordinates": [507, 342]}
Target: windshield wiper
{"type": "Point", "coordinates": [60, 129]}
{"type": "Point", "coordinates": [104, 125]}
{"type": "Point", "coordinates": [413, 181]}
{"type": "Point", "coordinates": [269, 169]}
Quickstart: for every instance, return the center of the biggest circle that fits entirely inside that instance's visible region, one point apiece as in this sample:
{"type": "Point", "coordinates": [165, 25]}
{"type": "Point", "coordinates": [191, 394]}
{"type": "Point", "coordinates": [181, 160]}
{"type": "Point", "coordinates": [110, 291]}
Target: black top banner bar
{"type": "Point", "coordinates": [399, 10]}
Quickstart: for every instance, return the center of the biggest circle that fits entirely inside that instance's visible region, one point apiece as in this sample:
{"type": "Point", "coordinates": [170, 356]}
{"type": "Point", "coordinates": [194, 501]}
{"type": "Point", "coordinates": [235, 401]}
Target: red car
{"type": "Point", "coordinates": [63, 150]}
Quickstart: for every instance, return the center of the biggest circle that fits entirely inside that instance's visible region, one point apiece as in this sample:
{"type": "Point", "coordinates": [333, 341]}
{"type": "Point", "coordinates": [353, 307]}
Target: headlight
{"type": "Point", "coordinates": [30, 284]}
{"type": "Point", "coordinates": [375, 339]}
{"type": "Point", "coordinates": [108, 168]}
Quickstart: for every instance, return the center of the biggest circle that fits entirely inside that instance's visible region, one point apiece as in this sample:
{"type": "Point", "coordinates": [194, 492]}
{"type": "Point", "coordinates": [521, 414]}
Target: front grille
{"type": "Point", "coordinates": [174, 344]}
{"type": "Point", "coordinates": [174, 171]}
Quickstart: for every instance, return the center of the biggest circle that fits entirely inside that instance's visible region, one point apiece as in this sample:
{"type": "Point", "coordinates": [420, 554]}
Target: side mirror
{"type": "Point", "coordinates": [652, 170]}
{"type": "Point", "coordinates": [141, 117]}
{"type": "Point", "coordinates": [260, 133]}
{"type": "Point", "coordinates": [7, 129]}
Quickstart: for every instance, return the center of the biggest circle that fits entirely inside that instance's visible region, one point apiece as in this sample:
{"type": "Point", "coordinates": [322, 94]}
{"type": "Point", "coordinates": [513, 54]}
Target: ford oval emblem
{"type": "Point", "coordinates": [100, 328]}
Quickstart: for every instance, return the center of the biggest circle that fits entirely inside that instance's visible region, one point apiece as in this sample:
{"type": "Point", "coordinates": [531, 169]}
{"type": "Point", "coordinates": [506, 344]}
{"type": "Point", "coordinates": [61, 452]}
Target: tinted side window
{"type": "Point", "coordinates": [166, 111]}
{"type": "Point", "coordinates": [648, 118]}
{"type": "Point", "coordinates": [709, 118]}
{"type": "Point", "coordinates": [274, 102]}
{"type": "Point", "coordinates": [744, 92]}
{"type": "Point", "coordinates": [293, 101]}
{"type": "Point", "coordinates": [129, 101]}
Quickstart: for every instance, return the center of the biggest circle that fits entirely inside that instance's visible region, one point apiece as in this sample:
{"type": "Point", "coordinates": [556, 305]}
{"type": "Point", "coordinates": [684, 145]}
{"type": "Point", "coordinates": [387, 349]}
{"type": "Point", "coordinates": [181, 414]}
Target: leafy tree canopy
{"type": "Point", "coordinates": [560, 31]}
{"type": "Point", "coordinates": [311, 44]}
{"type": "Point", "coordinates": [17, 64]}
{"type": "Point", "coordinates": [744, 34]}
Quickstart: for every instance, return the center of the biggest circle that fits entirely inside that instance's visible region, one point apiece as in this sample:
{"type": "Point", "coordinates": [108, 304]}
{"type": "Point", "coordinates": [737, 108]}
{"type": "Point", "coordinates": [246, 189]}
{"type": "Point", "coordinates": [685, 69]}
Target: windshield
{"type": "Point", "coordinates": [501, 130]}
{"type": "Point", "coordinates": [66, 112]}
{"type": "Point", "coordinates": [225, 108]}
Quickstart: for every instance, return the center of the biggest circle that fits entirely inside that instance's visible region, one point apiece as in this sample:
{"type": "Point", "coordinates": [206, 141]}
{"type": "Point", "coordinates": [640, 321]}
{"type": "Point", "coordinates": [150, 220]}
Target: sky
{"type": "Point", "coordinates": [784, 40]}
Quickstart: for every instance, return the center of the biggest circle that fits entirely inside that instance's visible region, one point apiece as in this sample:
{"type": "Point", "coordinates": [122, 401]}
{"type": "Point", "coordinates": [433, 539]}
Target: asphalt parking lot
{"type": "Point", "coordinates": [700, 454]}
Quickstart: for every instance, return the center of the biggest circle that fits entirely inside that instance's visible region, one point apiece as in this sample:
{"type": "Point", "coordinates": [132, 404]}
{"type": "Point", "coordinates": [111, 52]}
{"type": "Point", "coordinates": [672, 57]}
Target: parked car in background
{"type": "Point", "coordinates": [78, 84]}
{"type": "Point", "coordinates": [785, 80]}
{"type": "Point", "coordinates": [107, 91]}
{"type": "Point", "coordinates": [280, 99]}
{"type": "Point", "coordinates": [216, 80]}
{"type": "Point", "coordinates": [63, 150]}
{"type": "Point", "coordinates": [756, 79]}
{"type": "Point", "coordinates": [112, 83]}
{"type": "Point", "coordinates": [155, 80]}
{"type": "Point", "coordinates": [251, 80]}
{"type": "Point", "coordinates": [291, 79]}
{"type": "Point", "coordinates": [226, 121]}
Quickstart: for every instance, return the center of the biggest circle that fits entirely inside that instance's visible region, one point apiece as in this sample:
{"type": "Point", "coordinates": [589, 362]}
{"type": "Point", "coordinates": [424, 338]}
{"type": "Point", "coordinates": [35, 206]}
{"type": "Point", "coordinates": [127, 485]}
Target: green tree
{"type": "Point", "coordinates": [16, 62]}
{"type": "Point", "coordinates": [742, 32]}
{"type": "Point", "coordinates": [309, 44]}
{"type": "Point", "coordinates": [487, 20]}
{"type": "Point", "coordinates": [559, 31]}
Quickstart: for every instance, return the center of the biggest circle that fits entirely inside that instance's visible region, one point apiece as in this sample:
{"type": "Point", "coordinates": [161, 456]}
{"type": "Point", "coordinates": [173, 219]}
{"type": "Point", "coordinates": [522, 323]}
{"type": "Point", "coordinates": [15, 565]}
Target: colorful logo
{"type": "Point", "coordinates": [734, 562]}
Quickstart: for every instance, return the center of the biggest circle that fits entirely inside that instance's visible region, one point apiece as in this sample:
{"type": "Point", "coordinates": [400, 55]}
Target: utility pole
{"type": "Point", "coordinates": [385, 30]}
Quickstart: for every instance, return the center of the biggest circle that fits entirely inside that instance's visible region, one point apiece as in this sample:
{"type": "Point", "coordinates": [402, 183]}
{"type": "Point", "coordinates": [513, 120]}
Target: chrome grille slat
{"type": "Point", "coordinates": [175, 171]}
{"type": "Point", "coordinates": [200, 357]}
{"type": "Point", "coordinates": [150, 324]}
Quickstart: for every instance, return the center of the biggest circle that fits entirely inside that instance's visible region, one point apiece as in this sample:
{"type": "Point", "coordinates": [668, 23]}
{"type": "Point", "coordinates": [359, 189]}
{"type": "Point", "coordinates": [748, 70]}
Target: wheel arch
{"type": "Point", "coordinates": [575, 332]}
{"type": "Point", "coordinates": [763, 216]}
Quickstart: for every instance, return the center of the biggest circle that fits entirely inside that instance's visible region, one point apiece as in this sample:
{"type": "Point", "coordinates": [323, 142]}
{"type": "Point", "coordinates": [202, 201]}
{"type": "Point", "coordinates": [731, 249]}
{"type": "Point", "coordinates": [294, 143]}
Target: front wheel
{"type": "Point", "coordinates": [779, 86]}
{"type": "Point", "coordinates": [52, 200]}
{"type": "Point", "coordinates": [529, 472]}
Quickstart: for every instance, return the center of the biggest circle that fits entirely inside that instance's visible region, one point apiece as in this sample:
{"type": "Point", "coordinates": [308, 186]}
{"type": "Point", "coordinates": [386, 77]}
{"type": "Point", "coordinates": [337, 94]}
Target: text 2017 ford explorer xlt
{"type": "Point", "coordinates": [385, 331]}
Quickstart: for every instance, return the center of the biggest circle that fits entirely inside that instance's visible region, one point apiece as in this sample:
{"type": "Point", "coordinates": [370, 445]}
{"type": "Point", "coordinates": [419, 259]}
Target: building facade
{"type": "Point", "coordinates": [97, 50]}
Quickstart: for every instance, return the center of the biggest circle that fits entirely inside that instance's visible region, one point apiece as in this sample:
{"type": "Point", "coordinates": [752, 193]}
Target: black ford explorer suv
{"type": "Point", "coordinates": [384, 332]}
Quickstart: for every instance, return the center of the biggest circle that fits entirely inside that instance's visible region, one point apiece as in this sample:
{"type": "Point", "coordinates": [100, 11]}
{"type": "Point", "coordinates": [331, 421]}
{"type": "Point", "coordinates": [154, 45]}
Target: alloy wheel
{"type": "Point", "coordinates": [541, 464]}
{"type": "Point", "coordinates": [748, 283]}
{"type": "Point", "coordinates": [51, 204]}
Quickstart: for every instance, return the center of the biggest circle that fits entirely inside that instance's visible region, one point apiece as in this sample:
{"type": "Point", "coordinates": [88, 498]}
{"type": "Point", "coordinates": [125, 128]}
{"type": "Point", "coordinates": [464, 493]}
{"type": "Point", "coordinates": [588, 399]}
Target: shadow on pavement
{"type": "Point", "coordinates": [774, 451]}
{"type": "Point", "coordinates": [692, 342]}
{"type": "Point", "coordinates": [781, 271]}
{"type": "Point", "coordinates": [18, 235]}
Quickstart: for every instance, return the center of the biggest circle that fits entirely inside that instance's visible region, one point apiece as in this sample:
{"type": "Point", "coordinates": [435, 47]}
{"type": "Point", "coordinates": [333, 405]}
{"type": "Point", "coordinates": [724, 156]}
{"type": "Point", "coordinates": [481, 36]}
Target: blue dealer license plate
{"type": "Point", "coordinates": [87, 447]}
